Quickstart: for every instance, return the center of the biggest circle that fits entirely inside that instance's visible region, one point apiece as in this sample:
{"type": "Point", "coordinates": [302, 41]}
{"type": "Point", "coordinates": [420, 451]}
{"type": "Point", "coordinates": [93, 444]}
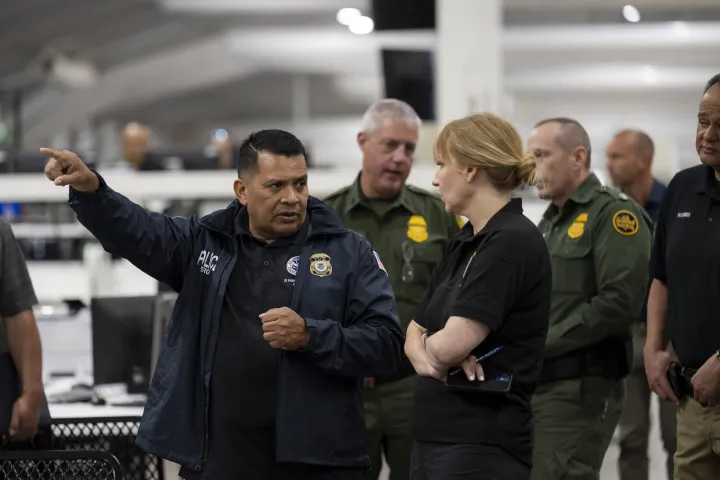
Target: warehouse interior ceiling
{"type": "Point", "coordinates": [179, 61]}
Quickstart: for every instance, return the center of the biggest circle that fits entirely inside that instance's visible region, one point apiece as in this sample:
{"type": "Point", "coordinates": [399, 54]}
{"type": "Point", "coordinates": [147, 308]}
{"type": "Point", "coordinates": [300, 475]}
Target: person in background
{"type": "Point", "coordinates": [22, 397]}
{"type": "Point", "coordinates": [409, 228]}
{"type": "Point", "coordinates": [222, 145]}
{"type": "Point", "coordinates": [281, 313]}
{"type": "Point", "coordinates": [490, 291]}
{"type": "Point", "coordinates": [684, 301]}
{"type": "Point", "coordinates": [629, 159]}
{"type": "Point", "coordinates": [599, 241]}
{"type": "Point", "coordinates": [135, 138]}
{"type": "Point", "coordinates": [136, 144]}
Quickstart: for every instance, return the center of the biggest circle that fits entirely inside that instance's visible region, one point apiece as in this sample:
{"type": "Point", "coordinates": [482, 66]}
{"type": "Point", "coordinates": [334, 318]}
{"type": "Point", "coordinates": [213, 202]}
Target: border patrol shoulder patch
{"type": "Point", "coordinates": [625, 223]}
{"type": "Point", "coordinates": [379, 262]}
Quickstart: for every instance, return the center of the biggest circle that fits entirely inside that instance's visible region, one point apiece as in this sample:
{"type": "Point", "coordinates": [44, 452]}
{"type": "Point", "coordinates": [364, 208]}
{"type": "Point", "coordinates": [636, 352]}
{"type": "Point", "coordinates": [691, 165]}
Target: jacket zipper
{"type": "Point", "coordinates": [206, 392]}
{"type": "Point", "coordinates": [293, 305]}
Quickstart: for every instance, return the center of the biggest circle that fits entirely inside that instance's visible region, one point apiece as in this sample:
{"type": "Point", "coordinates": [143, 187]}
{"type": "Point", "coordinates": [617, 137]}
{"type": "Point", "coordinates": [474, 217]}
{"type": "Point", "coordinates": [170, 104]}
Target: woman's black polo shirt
{"type": "Point", "coordinates": [507, 287]}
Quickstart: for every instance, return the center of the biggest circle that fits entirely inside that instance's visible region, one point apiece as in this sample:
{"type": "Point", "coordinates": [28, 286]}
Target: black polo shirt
{"type": "Point", "coordinates": [500, 277]}
{"type": "Point", "coordinates": [686, 258]}
{"type": "Point", "coordinates": [245, 369]}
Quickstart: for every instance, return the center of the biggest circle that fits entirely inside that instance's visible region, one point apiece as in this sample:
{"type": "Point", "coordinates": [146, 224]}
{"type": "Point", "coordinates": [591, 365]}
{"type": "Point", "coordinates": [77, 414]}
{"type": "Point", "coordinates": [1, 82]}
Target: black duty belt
{"type": "Point", "coordinates": [610, 358]}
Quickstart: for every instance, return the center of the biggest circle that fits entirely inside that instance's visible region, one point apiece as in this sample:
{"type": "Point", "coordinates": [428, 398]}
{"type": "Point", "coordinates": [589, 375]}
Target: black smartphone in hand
{"type": "Point", "coordinates": [493, 383]}
{"type": "Point", "coordinates": [680, 380]}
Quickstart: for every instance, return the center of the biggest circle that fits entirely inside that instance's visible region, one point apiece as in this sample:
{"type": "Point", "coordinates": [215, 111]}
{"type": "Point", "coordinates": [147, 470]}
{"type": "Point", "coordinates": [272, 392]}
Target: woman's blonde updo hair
{"type": "Point", "coordinates": [490, 143]}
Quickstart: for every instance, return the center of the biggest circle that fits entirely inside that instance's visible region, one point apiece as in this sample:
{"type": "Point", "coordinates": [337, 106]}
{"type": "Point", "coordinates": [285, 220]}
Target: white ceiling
{"type": "Point", "coordinates": [606, 4]}
{"type": "Point", "coordinates": [284, 6]}
{"type": "Point", "coordinates": [618, 58]}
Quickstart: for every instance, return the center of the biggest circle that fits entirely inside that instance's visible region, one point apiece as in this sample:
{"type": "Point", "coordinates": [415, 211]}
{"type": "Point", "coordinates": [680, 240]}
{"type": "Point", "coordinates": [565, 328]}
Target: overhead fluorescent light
{"type": "Point", "coordinates": [362, 25]}
{"type": "Point", "coordinates": [345, 16]}
{"type": "Point", "coordinates": [631, 14]}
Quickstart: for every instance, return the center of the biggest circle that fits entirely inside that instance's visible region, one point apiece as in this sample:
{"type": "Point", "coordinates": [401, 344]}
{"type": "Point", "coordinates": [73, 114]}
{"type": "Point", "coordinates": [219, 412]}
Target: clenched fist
{"type": "Point", "coordinates": [66, 168]}
{"type": "Point", "coordinates": [284, 329]}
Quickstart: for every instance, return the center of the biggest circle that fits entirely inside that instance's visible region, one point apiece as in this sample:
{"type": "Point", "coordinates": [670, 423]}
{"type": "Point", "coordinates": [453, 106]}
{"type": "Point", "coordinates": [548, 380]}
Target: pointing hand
{"type": "Point", "coordinates": [66, 168]}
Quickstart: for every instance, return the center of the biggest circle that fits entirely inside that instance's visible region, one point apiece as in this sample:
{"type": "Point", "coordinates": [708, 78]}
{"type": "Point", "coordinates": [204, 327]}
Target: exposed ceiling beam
{"type": "Point", "coordinates": [339, 53]}
{"type": "Point", "coordinates": [650, 36]}
{"type": "Point", "coordinates": [187, 68]}
{"type": "Point", "coordinates": [606, 4]}
{"type": "Point", "coordinates": [602, 78]}
{"type": "Point", "coordinates": [290, 6]}
{"type": "Point", "coordinates": [260, 6]}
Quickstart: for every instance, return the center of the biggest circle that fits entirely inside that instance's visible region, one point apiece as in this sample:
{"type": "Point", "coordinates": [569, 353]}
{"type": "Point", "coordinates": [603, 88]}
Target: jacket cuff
{"type": "Point", "coordinates": [314, 342]}
{"type": "Point", "coordinates": [76, 196]}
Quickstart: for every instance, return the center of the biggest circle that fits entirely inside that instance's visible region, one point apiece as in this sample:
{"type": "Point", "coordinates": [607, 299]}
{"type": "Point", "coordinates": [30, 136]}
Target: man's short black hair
{"type": "Point", "coordinates": [711, 83]}
{"type": "Point", "coordinates": [277, 142]}
{"type": "Point", "coordinates": [574, 134]}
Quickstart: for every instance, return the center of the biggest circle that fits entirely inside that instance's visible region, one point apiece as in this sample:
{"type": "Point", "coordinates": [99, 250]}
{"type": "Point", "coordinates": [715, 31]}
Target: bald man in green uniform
{"type": "Point", "coordinates": [599, 242]}
{"type": "Point", "coordinates": [409, 228]}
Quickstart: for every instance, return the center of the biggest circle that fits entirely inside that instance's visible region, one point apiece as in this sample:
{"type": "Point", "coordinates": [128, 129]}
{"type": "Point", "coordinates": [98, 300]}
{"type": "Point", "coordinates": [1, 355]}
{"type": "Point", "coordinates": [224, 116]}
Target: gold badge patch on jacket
{"type": "Point", "coordinates": [625, 223]}
{"type": "Point", "coordinates": [578, 226]}
{"type": "Point", "coordinates": [320, 265]}
{"type": "Point", "coordinates": [417, 229]}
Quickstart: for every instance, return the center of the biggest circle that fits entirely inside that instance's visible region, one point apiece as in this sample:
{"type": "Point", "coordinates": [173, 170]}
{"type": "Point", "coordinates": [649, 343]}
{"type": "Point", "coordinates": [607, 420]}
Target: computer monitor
{"type": "Point", "coordinates": [122, 337]}
{"type": "Point", "coordinates": [409, 76]}
{"type": "Point", "coordinates": [394, 14]}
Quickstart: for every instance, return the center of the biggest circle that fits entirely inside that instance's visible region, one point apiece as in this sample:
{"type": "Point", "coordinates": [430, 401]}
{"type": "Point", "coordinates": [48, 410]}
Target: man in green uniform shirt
{"type": "Point", "coordinates": [409, 229]}
{"type": "Point", "coordinates": [599, 242]}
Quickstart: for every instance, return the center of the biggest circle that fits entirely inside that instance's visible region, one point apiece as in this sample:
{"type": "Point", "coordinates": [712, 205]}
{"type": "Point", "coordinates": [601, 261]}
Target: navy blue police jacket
{"type": "Point", "coordinates": [351, 318]}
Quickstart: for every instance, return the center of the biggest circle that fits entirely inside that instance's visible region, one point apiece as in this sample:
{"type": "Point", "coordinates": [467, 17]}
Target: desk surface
{"type": "Point", "coordinates": [64, 411]}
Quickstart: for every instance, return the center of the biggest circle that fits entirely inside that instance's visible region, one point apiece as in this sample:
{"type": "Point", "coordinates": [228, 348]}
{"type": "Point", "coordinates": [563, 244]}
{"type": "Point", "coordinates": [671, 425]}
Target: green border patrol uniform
{"type": "Point", "coordinates": [409, 234]}
{"type": "Point", "coordinates": [599, 243]}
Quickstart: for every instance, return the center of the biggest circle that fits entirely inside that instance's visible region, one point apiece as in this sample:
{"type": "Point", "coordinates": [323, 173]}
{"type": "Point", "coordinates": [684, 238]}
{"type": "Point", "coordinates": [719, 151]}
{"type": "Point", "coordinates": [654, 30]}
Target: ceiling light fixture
{"type": "Point", "coordinates": [362, 25]}
{"type": "Point", "coordinates": [345, 16]}
{"type": "Point", "coordinates": [631, 14]}
{"type": "Point", "coordinates": [680, 29]}
{"type": "Point", "coordinates": [650, 74]}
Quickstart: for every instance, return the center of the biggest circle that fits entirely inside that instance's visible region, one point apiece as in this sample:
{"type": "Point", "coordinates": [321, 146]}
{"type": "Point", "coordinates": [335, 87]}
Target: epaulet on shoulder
{"type": "Point", "coordinates": [337, 193]}
{"type": "Point", "coordinates": [615, 194]}
{"type": "Point", "coordinates": [422, 191]}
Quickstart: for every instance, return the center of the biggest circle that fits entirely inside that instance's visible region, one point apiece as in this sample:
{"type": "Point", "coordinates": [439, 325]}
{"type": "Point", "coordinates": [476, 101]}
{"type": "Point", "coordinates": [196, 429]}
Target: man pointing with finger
{"type": "Point", "coordinates": [281, 313]}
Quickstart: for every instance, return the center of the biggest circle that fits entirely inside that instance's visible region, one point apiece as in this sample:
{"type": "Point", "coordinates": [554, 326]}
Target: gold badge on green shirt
{"type": "Point", "coordinates": [417, 229]}
{"type": "Point", "coordinates": [320, 265]}
{"type": "Point", "coordinates": [625, 223]}
{"type": "Point", "coordinates": [578, 226]}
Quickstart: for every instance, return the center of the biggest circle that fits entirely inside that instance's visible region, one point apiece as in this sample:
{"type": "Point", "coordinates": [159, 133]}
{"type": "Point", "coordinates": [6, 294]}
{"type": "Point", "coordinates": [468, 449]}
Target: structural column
{"type": "Point", "coordinates": [469, 58]}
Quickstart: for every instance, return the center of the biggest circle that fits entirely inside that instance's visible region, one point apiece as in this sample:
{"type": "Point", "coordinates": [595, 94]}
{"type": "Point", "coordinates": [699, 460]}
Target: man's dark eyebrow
{"type": "Point", "coordinates": [283, 182]}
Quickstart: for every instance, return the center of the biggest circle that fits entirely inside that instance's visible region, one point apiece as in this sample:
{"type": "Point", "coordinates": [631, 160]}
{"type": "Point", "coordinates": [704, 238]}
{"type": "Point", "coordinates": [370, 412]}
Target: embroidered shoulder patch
{"type": "Point", "coordinates": [379, 262]}
{"type": "Point", "coordinates": [625, 223]}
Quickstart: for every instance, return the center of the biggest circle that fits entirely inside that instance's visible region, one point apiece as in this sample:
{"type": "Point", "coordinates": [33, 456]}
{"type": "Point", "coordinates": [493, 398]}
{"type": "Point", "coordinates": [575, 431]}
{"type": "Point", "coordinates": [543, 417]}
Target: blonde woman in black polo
{"type": "Point", "coordinates": [478, 338]}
